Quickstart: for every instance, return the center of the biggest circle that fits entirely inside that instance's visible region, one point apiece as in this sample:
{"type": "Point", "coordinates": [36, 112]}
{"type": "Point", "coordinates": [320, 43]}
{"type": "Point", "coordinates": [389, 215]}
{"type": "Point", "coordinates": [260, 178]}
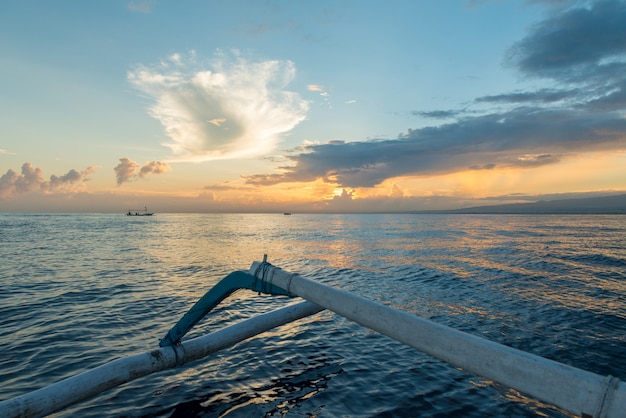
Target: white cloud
{"type": "Point", "coordinates": [217, 121]}
{"type": "Point", "coordinates": [176, 58]}
{"type": "Point", "coordinates": [234, 108]}
{"type": "Point", "coordinates": [322, 91]}
{"type": "Point", "coordinates": [315, 87]}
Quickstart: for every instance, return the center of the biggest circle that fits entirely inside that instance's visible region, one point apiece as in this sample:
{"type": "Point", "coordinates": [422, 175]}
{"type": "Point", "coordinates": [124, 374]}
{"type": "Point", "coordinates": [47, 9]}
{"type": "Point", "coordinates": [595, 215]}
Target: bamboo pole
{"type": "Point", "coordinates": [77, 388]}
{"type": "Point", "coordinates": [581, 392]}
{"type": "Point", "coordinates": [578, 391]}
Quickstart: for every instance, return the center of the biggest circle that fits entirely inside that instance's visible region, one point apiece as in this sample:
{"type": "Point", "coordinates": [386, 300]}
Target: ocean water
{"type": "Point", "coordinates": [79, 290]}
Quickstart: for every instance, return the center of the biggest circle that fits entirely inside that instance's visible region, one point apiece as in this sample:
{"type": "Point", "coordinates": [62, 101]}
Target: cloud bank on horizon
{"type": "Point", "coordinates": [581, 50]}
{"type": "Point", "coordinates": [237, 108]}
{"type": "Point", "coordinates": [31, 179]}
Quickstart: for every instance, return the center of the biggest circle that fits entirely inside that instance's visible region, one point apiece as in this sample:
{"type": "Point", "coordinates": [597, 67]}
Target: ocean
{"type": "Point", "coordinates": [79, 290]}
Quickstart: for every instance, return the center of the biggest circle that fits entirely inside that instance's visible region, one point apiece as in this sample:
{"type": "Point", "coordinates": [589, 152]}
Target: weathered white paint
{"type": "Point", "coordinates": [578, 391]}
{"type": "Point", "coordinates": [67, 392]}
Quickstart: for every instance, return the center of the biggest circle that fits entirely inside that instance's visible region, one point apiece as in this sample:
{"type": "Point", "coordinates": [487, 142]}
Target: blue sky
{"type": "Point", "coordinates": [309, 106]}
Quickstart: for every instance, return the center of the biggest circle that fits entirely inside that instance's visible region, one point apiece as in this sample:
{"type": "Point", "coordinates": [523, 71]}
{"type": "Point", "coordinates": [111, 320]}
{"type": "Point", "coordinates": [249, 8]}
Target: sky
{"type": "Point", "coordinates": [301, 106]}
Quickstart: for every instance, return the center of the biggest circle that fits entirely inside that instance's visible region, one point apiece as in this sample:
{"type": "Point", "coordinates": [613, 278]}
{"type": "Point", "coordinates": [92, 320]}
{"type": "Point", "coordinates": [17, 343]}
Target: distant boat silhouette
{"type": "Point", "coordinates": [140, 212]}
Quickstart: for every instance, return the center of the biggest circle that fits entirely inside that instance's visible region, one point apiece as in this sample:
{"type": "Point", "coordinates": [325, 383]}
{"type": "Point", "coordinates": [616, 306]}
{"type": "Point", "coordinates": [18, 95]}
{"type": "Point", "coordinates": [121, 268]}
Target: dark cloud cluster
{"type": "Point", "coordinates": [437, 114]}
{"type": "Point", "coordinates": [31, 179]}
{"type": "Point", "coordinates": [580, 51]}
{"type": "Point", "coordinates": [583, 47]}
{"type": "Point", "coordinates": [577, 45]}
{"type": "Point", "coordinates": [129, 170]}
{"type": "Point", "coordinates": [533, 97]}
{"type": "Point", "coordinates": [524, 137]}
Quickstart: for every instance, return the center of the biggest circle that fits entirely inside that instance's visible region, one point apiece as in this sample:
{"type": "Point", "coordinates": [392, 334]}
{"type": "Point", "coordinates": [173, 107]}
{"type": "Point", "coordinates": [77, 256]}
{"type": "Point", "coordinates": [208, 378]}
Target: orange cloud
{"type": "Point", "coordinates": [31, 179]}
{"type": "Point", "coordinates": [129, 170]}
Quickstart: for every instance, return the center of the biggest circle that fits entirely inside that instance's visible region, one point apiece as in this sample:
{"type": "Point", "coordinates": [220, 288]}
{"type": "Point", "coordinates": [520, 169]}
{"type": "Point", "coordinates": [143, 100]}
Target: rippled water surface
{"type": "Point", "coordinates": [77, 291]}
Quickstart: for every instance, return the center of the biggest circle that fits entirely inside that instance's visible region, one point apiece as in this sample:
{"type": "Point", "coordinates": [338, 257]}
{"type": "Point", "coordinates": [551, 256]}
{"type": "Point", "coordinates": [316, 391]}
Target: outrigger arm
{"type": "Point", "coordinates": [224, 288]}
{"type": "Point", "coordinates": [580, 392]}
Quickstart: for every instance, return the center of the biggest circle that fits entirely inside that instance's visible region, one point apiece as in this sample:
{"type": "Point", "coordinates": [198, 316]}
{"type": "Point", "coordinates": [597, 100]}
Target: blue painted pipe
{"type": "Point", "coordinates": [229, 284]}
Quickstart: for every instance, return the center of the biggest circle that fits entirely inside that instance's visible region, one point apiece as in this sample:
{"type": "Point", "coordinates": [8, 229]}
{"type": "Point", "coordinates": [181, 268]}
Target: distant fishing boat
{"type": "Point", "coordinates": [140, 212]}
{"type": "Point", "coordinates": [286, 213]}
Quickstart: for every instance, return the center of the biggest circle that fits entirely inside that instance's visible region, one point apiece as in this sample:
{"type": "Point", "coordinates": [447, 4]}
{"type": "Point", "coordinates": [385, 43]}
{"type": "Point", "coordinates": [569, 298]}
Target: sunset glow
{"type": "Point", "coordinates": [303, 107]}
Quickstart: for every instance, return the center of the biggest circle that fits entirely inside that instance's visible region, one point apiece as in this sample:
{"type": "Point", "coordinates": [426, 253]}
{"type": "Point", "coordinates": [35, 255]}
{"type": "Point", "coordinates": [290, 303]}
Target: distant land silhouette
{"type": "Point", "coordinates": [594, 205]}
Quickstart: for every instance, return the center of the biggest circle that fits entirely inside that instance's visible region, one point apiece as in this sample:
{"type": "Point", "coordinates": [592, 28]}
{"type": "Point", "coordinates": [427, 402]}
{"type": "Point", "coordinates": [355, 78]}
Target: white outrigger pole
{"type": "Point", "coordinates": [581, 392]}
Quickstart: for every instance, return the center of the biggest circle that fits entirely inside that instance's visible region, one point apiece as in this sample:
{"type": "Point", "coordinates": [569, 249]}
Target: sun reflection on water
{"type": "Point", "coordinates": [98, 286]}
